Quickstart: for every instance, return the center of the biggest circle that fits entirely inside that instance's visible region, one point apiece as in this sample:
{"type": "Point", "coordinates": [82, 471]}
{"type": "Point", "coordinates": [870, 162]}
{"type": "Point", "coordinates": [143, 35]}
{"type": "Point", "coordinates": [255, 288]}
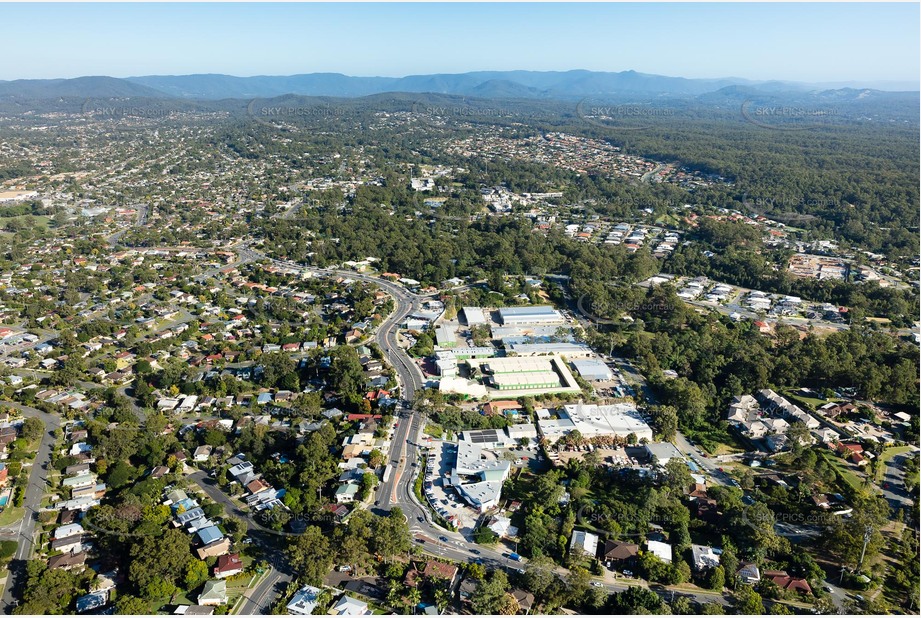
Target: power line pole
{"type": "Point", "coordinates": [867, 534]}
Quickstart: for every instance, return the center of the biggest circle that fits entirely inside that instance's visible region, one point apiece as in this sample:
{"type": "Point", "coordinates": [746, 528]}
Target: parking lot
{"type": "Point", "coordinates": [445, 500]}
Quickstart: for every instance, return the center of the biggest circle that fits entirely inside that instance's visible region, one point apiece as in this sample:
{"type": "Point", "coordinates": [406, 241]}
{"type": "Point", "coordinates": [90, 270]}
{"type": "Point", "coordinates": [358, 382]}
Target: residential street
{"type": "Point", "coordinates": [24, 531]}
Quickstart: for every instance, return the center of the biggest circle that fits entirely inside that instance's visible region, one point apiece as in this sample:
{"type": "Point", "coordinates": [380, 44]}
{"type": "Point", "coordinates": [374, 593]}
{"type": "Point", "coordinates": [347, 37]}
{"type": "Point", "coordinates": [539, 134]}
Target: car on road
{"type": "Point", "coordinates": [420, 540]}
{"type": "Point", "coordinates": [628, 573]}
{"type": "Point", "coordinates": [443, 539]}
{"type": "Point", "coordinates": [828, 589]}
{"type": "Point", "coordinates": [421, 519]}
{"type": "Point", "coordinates": [597, 584]}
{"type": "Point", "coordinates": [475, 551]}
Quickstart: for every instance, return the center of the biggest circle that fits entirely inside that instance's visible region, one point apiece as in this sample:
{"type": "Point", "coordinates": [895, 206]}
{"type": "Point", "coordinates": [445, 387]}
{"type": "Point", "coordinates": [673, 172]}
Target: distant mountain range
{"type": "Point", "coordinates": [553, 85]}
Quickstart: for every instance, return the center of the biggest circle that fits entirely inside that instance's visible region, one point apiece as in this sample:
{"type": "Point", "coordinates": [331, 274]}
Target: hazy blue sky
{"type": "Point", "coordinates": [803, 42]}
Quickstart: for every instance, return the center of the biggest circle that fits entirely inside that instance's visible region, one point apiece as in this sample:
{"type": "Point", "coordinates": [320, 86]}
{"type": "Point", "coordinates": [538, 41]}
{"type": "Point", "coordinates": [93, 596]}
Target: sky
{"type": "Point", "coordinates": [820, 42]}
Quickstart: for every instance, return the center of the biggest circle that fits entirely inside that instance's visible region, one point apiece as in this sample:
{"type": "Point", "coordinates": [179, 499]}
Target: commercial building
{"type": "Point", "coordinates": [474, 316]}
{"type": "Point", "coordinates": [524, 381]}
{"type": "Point", "coordinates": [593, 420]}
{"type": "Point", "coordinates": [593, 369]}
{"type": "Point", "coordinates": [499, 438]}
{"type": "Point", "coordinates": [445, 337]}
{"type": "Point", "coordinates": [467, 353]}
{"type": "Point", "coordinates": [477, 476]}
{"type": "Point", "coordinates": [517, 365]}
{"type": "Point", "coordinates": [569, 350]}
{"type": "Point", "coordinates": [447, 367]}
{"type": "Point", "coordinates": [541, 314]}
{"type": "Point", "coordinates": [663, 452]}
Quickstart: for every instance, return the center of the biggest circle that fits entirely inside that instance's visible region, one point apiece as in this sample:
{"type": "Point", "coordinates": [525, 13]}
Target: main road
{"type": "Point", "coordinates": [23, 532]}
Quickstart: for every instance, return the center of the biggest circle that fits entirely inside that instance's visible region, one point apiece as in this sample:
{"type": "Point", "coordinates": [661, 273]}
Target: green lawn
{"type": "Point", "coordinates": [40, 220]}
{"type": "Point", "coordinates": [11, 515]}
{"type": "Point", "coordinates": [715, 440]}
{"type": "Point", "coordinates": [849, 476]}
{"type": "Point", "coordinates": [812, 403]}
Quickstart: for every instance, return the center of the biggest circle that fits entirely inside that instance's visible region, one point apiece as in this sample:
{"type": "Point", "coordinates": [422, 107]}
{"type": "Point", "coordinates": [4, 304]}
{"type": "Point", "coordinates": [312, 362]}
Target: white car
{"type": "Point", "coordinates": [597, 584]}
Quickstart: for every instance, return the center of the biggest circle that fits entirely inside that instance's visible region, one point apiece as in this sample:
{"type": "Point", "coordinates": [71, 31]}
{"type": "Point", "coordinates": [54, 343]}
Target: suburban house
{"type": "Point", "coordinates": [662, 551]}
{"type": "Point", "coordinates": [348, 606]}
{"type": "Point", "coordinates": [214, 593]}
{"type": "Point", "coordinates": [228, 565]}
{"type": "Point", "coordinates": [525, 599]}
{"type": "Point", "coordinates": [216, 548]}
{"type": "Point", "coordinates": [304, 601]}
{"type": "Point", "coordinates": [619, 553]}
{"type": "Point", "coordinates": [749, 573]}
{"type": "Point", "coordinates": [67, 561]}
{"type": "Point", "coordinates": [705, 557]}
{"type": "Point", "coordinates": [69, 544]}
{"type": "Point", "coordinates": [787, 582]}
{"type": "Point", "coordinates": [585, 543]}
{"type": "Point", "coordinates": [440, 570]}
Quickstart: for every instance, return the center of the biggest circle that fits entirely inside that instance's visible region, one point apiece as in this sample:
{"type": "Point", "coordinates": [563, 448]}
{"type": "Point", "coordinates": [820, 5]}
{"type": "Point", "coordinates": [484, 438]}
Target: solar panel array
{"type": "Point", "coordinates": [486, 436]}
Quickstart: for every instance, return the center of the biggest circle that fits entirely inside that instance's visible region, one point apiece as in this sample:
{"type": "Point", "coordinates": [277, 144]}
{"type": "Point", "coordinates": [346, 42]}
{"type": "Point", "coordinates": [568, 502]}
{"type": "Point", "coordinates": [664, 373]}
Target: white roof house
{"type": "Point", "coordinates": [705, 557]}
{"type": "Point", "coordinates": [304, 601]}
{"type": "Point", "coordinates": [347, 606]}
{"type": "Point", "coordinates": [584, 542]}
{"type": "Point", "coordinates": [662, 551]}
{"type": "Point", "coordinates": [68, 530]}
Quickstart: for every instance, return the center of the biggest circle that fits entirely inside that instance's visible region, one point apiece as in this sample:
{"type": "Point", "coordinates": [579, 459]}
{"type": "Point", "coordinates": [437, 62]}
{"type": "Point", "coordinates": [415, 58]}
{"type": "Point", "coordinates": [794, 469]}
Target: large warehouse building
{"type": "Point", "coordinates": [474, 316]}
{"type": "Point", "coordinates": [593, 369]}
{"type": "Point", "coordinates": [444, 336]}
{"type": "Point", "coordinates": [541, 314]}
{"type": "Point", "coordinates": [529, 380]}
{"type": "Point", "coordinates": [516, 365]}
{"type": "Point", "coordinates": [592, 420]}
